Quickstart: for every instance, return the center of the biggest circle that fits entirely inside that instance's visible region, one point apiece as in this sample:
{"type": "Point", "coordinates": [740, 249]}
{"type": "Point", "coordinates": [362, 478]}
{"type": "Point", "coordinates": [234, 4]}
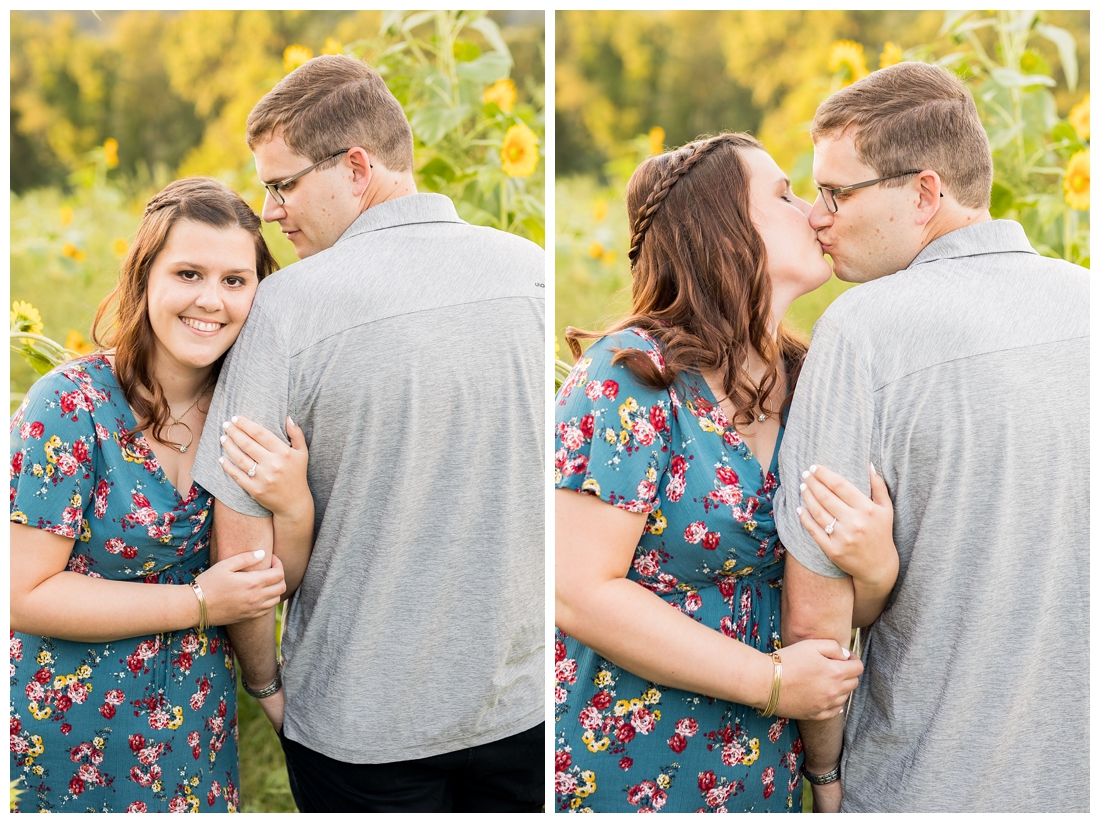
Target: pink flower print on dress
{"type": "Point", "coordinates": [695, 531]}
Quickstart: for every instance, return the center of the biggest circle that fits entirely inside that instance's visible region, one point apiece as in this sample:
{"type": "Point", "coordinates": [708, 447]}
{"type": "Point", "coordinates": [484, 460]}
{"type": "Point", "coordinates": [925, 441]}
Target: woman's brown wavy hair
{"type": "Point", "coordinates": [701, 285]}
{"type": "Point", "coordinates": [126, 309]}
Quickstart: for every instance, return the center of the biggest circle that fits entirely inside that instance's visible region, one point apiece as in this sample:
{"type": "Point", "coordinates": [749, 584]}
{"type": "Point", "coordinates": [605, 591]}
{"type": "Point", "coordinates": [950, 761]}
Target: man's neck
{"type": "Point", "coordinates": [390, 186]}
{"type": "Point", "coordinates": [949, 220]}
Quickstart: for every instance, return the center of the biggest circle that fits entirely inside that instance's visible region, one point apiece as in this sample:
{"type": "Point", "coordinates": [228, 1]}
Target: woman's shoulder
{"type": "Point", "coordinates": [68, 390]}
{"type": "Point", "coordinates": [600, 361]}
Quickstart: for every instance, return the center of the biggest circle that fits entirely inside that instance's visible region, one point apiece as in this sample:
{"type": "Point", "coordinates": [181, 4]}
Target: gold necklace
{"type": "Point", "coordinates": [178, 421]}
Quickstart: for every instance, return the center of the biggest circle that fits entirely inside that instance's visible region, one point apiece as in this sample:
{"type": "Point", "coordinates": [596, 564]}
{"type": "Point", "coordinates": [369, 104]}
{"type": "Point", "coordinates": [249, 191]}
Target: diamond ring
{"type": "Point", "coordinates": [252, 472]}
{"type": "Point", "coordinates": [830, 527]}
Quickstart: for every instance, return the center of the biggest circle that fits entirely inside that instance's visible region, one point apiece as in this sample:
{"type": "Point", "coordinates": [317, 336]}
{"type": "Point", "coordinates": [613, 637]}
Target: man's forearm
{"type": "Point", "coordinates": [253, 640]}
{"type": "Point", "coordinates": [817, 607]}
{"type": "Point", "coordinates": [254, 644]}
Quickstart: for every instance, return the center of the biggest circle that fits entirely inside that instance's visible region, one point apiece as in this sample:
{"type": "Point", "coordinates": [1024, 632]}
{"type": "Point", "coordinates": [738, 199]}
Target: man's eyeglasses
{"type": "Point", "coordinates": [273, 188]}
{"type": "Point", "coordinates": [829, 195]}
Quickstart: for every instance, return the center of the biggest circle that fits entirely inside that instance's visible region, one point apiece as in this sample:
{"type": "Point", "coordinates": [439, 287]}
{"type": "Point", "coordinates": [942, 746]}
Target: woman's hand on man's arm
{"type": "Point", "coordinates": [635, 629]}
{"type": "Point", "coordinates": [278, 483]}
{"type": "Point", "coordinates": [855, 532]}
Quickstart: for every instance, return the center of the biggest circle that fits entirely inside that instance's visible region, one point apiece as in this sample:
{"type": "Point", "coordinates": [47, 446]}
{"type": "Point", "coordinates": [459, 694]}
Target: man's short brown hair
{"type": "Point", "coordinates": [330, 103]}
{"type": "Point", "coordinates": [914, 115]}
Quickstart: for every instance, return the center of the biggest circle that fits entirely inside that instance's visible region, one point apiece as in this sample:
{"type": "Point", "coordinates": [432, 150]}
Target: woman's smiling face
{"type": "Point", "coordinates": [200, 289]}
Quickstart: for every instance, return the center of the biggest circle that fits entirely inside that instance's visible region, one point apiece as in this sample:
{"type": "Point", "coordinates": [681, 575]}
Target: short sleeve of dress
{"type": "Point", "coordinates": [612, 432]}
{"type": "Point", "coordinates": [53, 439]}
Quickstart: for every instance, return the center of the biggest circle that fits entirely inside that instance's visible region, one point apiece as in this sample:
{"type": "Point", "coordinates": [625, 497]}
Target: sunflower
{"type": "Point", "coordinates": [1076, 182]}
{"type": "Point", "coordinates": [503, 93]}
{"type": "Point", "coordinates": [891, 55]}
{"type": "Point", "coordinates": [848, 55]}
{"type": "Point", "coordinates": [25, 317]}
{"type": "Point", "coordinates": [519, 154]}
{"type": "Point", "coordinates": [295, 56]}
{"type": "Point", "coordinates": [656, 140]}
{"type": "Point", "coordinates": [69, 250]}
{"type": "Point", "coordinates": [110, 152]}
{"type": "Point", "coordinates": [1079, 118]}
{"type": "Point", "coordinates": [75, 342]}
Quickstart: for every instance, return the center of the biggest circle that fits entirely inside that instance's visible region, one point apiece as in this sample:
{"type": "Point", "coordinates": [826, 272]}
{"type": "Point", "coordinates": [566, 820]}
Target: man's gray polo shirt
{"type": "Point", "coordinates": [412, 354]}
{"type": "Point", "coordinates": [965, 379]}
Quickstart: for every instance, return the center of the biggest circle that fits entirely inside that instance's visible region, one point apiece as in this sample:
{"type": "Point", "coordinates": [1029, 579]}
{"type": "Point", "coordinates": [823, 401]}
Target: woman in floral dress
{"type": "Point", "coordinates": [669, 568]}
{"type": "Point", "coordinates": [123, 693]}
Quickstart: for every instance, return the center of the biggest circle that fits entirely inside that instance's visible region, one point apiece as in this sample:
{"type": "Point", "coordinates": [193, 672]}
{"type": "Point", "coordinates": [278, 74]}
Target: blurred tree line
{"type": "Point", "coordinates": [618, 74]}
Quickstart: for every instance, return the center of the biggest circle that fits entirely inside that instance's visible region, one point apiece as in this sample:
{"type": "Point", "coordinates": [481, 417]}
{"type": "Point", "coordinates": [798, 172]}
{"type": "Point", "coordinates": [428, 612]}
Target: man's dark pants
{"type": "Point", "coordinates": [503, 776]}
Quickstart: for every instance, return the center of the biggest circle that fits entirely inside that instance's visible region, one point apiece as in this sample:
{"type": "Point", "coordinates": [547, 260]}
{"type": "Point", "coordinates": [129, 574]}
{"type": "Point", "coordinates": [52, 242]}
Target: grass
{"type": "Point", "coordinates": [264, 784]}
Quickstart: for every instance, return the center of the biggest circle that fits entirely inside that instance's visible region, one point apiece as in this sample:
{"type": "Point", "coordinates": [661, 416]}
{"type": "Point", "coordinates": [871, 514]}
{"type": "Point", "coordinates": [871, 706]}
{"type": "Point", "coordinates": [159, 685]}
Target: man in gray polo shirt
{"type": "Point", "coordinates": [409, 347]}
{"type": "Point", "coordinates": [963, 377]}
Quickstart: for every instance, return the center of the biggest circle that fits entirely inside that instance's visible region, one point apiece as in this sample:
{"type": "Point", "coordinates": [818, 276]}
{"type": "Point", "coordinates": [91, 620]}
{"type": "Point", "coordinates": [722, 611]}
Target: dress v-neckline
{"type": "Point", "coordinates": [131, 426]}
{"type": "Point", "coordinates": [742, 444]}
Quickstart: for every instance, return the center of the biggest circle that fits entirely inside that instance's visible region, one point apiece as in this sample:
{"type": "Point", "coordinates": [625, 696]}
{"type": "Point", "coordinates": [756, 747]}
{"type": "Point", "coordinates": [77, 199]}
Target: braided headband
{"type": "Point", "coordinates": [682, 161]}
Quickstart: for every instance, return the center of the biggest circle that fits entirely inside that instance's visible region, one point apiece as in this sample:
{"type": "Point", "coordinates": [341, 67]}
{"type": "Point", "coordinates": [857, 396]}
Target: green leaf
{"type": "Point", "coordinates": [535, 229]}
{"type": "Point", "coordinates": [486, 69]}
{"type": "Point", "coordinates": [465, 51]}
{"type": "Point", "coordinates": [1001, 200]}
{"type": "Point", "coordinates": [413, 20]}
{"type": "Point", "coordinates": [491, 32]}
{"type": "Point", "coordinates": [1010, 78]}
{"type": "Point", "coordinates": [1067, 50]}
{"type": "Point", "coordinates": [1066, 135]}
{"type": "Point", "coordinates": [439, 169]}
{"type": "Point", "coordinates": [431, 123]}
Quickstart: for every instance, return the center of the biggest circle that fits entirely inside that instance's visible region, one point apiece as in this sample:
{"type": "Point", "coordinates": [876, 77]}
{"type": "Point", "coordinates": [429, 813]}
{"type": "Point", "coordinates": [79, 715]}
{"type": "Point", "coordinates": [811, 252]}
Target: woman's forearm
{"type": "Point", "coordinates": [71, 606]}
{"type": "Point", "coordinates": [636, 630]}
{"type": "Point", "coordinates": [868, 605]}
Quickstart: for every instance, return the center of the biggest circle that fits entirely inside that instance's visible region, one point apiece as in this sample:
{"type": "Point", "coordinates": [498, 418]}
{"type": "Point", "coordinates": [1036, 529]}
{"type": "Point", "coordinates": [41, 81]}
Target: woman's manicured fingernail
{"type": "Point", "coordinates": [234, 418]}
{"type": "Point", "coordinates": [873, 469]}
{"type": "Point", "coordinates": [222, 438]}
{"type": "Point", "coordinates": [291, 422]}
{"type": "Point", "coordinates": [805, 475]}
{"type": "Point", "coordinates": [798, 511]}
{"type": "Point", "coordinates": [847, 653]}
{"type": "Point", "coordinates": [258, 554]}
{"type": "Point", "coordinates": [802, 487]}
{"type": "Point", "coordinates": [812, 468]}
{"type": "Point", "coordinates": [225, 425]}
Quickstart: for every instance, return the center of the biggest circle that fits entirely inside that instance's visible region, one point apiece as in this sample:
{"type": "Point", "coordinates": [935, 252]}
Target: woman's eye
{"type": "Point", "coordinates": [786, 198]}
{"type": "Point", "coordinates": [189, 275]}
{"type": "Point", "coordinates": [234, 282]}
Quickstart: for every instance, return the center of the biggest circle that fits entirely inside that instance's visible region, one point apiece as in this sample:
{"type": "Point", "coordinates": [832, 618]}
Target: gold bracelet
{"type": "Point", "coordinates": [777, 676]}
{"type": "Point", "coordinates": [204, 615]}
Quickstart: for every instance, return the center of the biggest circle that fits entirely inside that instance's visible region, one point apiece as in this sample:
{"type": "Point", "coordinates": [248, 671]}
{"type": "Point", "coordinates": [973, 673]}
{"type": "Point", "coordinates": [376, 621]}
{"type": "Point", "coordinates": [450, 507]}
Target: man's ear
{"type": "Point", "coordinates": [930, 192]}
{"type": "Point", "coordinates": [362, 169]}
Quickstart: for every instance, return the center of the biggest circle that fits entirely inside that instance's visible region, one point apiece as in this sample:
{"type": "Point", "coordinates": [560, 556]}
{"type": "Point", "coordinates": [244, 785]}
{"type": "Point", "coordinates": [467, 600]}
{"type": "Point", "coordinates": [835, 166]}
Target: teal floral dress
{"type": "Point", "coordinates": [145, 724]}
{"type": "Point", "coordinates": [710, 551]}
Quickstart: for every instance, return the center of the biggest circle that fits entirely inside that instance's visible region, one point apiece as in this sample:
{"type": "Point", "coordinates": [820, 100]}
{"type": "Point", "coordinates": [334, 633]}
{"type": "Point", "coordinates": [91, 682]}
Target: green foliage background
{"type": "Point", "coordinates": [620, 74]}
{"type": "Point", "coordinates": [174, 90]}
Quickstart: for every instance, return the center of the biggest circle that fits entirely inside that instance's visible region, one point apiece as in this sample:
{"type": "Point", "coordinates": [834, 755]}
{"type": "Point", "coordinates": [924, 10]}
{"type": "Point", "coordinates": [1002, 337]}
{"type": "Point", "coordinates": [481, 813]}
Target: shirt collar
{"type": "Point", "coordinates": [402, 211]}
{"type": "Point", "coordinates": [991, 237]}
